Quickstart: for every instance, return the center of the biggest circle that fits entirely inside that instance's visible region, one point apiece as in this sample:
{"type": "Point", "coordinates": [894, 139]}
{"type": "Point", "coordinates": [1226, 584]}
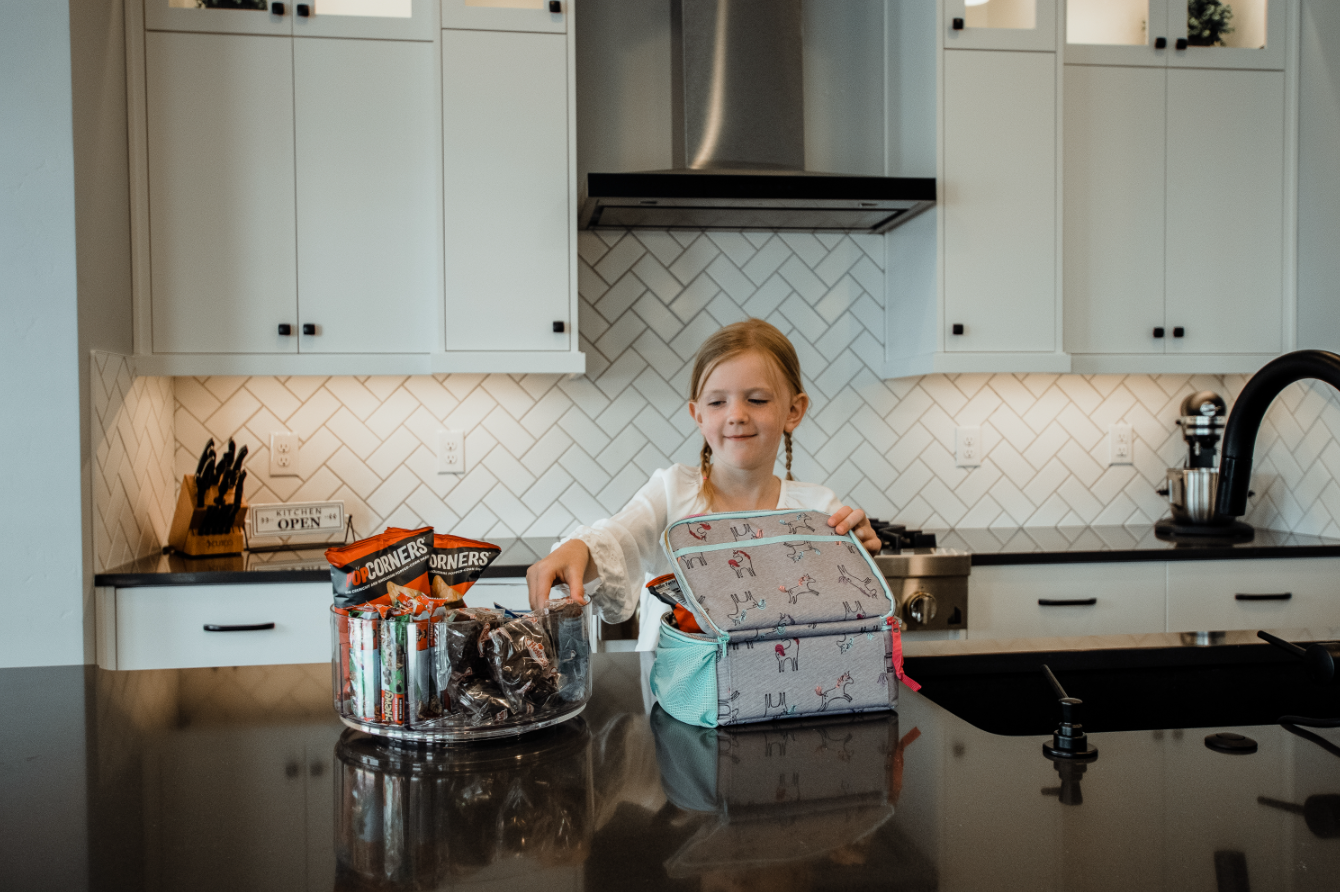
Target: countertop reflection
{"type": "Point", "coordinates": [242, 778]}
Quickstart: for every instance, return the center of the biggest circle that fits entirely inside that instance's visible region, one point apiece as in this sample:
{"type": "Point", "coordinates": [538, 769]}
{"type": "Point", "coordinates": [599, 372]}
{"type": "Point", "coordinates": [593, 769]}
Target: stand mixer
{"type": "Point", "coordinates": [1192, 489]}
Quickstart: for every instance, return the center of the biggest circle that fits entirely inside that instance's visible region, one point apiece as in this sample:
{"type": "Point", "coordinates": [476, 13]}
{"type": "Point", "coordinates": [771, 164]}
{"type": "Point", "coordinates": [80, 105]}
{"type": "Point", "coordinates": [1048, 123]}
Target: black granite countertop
{"type": "Point", "coordinates": [996, 546]}
{"type": "Point", "coordinates": [242, 778]}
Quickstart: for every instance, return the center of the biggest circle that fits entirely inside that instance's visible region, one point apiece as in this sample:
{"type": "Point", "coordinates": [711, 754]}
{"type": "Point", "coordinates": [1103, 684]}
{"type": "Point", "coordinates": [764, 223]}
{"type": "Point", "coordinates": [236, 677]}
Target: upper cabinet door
{"type": "Point", "coordinates": [1118, 32]}
{"type": "Point", "coordinates": [999, 24]}
{"type": "Point", "coordinates": [546, 16]}
{"type": "Point", "coordinates": [221, 231]}
{"type": "Point", "coordinates": [1227, 33]}
{"type": "Point", "coordinates": [369, 240]}
{"type": "Point", "coordinates": [219, 16]}
{"type": "Point", "coordinates": [379, 19]}
{"type": "Point", "coordinates": [506, 179]}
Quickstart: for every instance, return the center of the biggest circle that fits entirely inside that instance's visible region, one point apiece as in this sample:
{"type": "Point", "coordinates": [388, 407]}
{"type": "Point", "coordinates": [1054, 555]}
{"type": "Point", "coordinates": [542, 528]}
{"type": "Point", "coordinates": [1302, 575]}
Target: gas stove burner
{"type": "Point", "coordinates": [1203, 534]}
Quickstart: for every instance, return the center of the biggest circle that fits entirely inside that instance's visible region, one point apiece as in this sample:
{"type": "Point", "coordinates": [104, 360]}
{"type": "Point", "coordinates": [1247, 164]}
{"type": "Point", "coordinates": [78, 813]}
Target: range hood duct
{"type": "Point", "coordinates": [739, 139]}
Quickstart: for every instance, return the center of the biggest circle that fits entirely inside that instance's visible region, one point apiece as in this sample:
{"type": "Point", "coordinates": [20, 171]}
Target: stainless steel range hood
{"type": "Point", "coordinates": [739, 141]}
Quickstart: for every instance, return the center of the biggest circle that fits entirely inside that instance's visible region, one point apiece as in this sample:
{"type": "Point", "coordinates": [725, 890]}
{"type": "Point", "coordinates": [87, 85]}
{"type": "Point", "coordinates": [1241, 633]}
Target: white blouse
{"type": "Point", "coordinates": [627, 550]}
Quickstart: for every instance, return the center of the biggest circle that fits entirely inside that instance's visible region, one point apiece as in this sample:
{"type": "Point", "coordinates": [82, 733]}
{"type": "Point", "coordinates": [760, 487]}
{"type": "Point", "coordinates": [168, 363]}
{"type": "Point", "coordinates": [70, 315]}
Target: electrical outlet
{"type": "Point", "coordinates": [1120, 445]}
{"type": "Point", "coordinates": [968, 446]}
{"type": "Point", "coordinates": [450, 452]}
{"type": "Point", "coordinates": [284, 448]}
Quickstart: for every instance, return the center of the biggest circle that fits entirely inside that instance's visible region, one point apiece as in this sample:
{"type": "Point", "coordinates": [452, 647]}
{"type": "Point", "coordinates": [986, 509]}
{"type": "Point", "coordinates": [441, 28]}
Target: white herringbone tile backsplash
{"type": "Point", "coordinates": [132, 448]}
{"type": "Point", "coordinates": [545, 453]}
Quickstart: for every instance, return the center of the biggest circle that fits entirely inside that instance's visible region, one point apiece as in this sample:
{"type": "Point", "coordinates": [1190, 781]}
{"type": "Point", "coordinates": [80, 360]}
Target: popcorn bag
{"type": "Point", "coordinates": [412, 661]}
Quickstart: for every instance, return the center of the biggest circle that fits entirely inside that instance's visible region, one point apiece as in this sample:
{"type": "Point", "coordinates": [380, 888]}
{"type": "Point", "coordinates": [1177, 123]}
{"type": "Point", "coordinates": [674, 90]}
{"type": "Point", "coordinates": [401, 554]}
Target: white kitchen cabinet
{"type": "Point", "coordinates": [163, 627]}
{"type": "Point", "coordinates": [1154, 33]}
{"type": "Point", "coordinates": [999, 202]}
{"type": "Point", "coordinates": [509, 188]}
{"type": "Point", "coordinates": [507, 15]}
{"type": "Point", "coordinates": [291, 182]}
{"type": "Point", "coordinates": [221, 213]}
{"type": "Point", "coordinates": [1215, 596]}
{"type": "Point", "coordinates": [1178, 217]}
{"type": "Point", "coordinates": [999, 25]}
{"type": "Point", "coordinates": [371, 19]}
{"type": "Point", "coordinates": [366, 148]}
{"type": "Point", "coordinates": [989, 301]}
{"type": "Point", "coordinates": [1066, 600]}
{"type": "Point", "coordinates": [1155, 237]}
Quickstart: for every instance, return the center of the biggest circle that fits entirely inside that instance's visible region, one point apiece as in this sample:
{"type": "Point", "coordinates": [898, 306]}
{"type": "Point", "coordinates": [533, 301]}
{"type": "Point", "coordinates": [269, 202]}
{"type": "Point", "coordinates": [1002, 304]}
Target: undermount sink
{"type": "Point", "coordinates": [1127, 689]}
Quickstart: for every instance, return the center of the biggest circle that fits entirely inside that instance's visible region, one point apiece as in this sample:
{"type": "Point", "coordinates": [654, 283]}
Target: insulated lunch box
{"type": "Point", "coordinates": [795, 620]}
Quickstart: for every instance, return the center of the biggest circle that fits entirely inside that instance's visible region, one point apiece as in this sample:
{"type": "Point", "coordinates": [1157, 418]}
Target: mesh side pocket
{"type": "Point", "coordinates": [684, 677]}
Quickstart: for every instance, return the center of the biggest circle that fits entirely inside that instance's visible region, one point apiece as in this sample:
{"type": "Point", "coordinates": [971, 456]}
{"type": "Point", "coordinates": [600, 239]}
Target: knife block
{"type": "Point", "coordinates": [185, 535]}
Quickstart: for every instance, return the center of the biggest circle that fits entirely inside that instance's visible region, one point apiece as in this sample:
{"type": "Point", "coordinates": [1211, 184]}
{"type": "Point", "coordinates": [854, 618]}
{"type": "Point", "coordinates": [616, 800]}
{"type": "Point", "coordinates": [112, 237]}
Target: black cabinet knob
{"type": "Point", "coordinates": [1158, 332]}
{"type": "Point", "coordinates": [303, 10]}
{"type": "Point", "coordinates": [308, 328]}
{"type": "Point", "coordinates": [559, 327]}
{"type": "Point", "coordinates": [1160, 43]}
{"type": "Point", "coordinates": [957, 24]}
{"type": "Point", "coordinates": [276, 9]}
{"type": "Point", "coordinates": [1178, 332]}
{"type": "Point", "coordinates": [285, 329]}
{"type": "Point", "coordinates": [555, 6]}
{"type": "Point", "coordinates": [1181, 43]}
{"type": "Point", "coordinates": [957, 328]}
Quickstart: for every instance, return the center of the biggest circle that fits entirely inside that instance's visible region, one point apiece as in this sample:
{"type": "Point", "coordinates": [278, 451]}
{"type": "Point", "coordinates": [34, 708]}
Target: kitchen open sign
{"type": "Point", "coordinates": [297, 518]}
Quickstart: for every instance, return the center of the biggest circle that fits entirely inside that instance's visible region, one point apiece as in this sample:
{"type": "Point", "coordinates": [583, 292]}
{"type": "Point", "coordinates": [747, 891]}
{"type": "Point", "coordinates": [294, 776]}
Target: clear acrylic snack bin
{"type": "Point", "coordinates": [469, 675]}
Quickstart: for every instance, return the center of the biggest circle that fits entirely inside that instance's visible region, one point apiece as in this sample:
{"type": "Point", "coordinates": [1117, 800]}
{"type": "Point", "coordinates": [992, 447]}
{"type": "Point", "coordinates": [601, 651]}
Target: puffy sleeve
{"type": "Point", "coordinates": [627, 546]}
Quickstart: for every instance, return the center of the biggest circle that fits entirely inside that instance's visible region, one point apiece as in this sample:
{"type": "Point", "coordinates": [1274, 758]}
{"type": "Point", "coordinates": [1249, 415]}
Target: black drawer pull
{"type": "Point", "coordinates": [1282, 596]}
{"type": "Point", "coordinates": [276, 9]}
{"type": "Point", "coordinates": [1067, 602]}
{"type": "Point", "coordinates": [956, 328]}
{"type": "Point", "coordinates": [254, 627]}
{"type": "Point", "coordinates": [957, 24]}
{"type": "Point", "coordinates": [308, 328]}
{"type": "Point", "coordinates": [1160, 42]}
{"type": "Point", "coordinates": [1158, 332]}
{"type": "Point", "coordinates": [1181, 43]}
{"type": "Point", "coordinates": [285, 329]}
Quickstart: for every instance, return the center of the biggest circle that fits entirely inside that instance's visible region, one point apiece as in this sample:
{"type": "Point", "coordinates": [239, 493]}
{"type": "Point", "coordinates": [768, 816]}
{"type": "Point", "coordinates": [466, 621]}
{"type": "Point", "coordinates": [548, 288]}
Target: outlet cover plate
{"type": "Point", "coordinates": [284, 449]}
{"type": "Point", "coordinates": [1120, 445]}
{"type": "Point", "coordinates": [450, 452]}
{"type": "Point", "coordinates": [968, 446]}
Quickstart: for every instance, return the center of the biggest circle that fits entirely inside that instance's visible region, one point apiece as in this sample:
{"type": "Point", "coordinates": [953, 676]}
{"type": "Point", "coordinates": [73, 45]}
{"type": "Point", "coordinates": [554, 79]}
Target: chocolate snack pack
{"type": "Point", "coordinates": [413, 662]}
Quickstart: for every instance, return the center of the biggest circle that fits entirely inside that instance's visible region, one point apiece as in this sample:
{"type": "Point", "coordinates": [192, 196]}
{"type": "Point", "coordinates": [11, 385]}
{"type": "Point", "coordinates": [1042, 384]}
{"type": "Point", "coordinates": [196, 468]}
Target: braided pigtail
{"type": "Point", "coordinates": [705, 464]}
{"type": "Point", "coordinates": [787, 436]}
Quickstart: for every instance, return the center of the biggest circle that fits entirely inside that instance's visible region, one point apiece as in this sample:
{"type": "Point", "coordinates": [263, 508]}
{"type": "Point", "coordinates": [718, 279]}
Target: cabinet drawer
{"type": "Point", "coordinates": [163, 627]}
{"type": "Point", "coordinates": [1213, 596]}
{"type": "Point", "coordinates": [1127, 599]}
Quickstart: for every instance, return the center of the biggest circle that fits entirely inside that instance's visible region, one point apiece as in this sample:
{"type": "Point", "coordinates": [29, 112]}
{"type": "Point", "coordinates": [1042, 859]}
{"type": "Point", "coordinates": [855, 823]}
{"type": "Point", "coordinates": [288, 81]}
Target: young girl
{"type": "Point", "coordinates": [746, 397]}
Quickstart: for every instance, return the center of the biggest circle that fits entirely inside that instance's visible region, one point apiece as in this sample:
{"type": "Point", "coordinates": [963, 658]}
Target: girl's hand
{"type": "Point", "coordinates": [845, 519]}
{"type": "Point", "coordinates": [570, 563]}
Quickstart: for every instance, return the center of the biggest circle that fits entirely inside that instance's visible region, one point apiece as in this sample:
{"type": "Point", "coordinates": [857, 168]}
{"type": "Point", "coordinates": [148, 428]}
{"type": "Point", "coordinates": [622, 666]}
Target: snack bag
{"type": "Point", "coordinates": [394, 657]}
{"type": "Point", "coordinates": [362, 571]}
{"type": "Point", "coordinates": [364, 672]}
{"type": "Point", "coordinates": [454, 564]}
{"type": "Point", "coordinates": [523, 665]}
{"type": "Point", "coordinates": [565, 623]}
{"type": "Point", "coordinates": [459, 658]}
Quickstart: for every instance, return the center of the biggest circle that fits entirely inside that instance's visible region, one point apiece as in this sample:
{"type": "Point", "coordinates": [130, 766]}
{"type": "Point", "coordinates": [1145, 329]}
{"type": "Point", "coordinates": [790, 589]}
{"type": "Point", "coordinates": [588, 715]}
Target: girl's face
{"type": "Point", "coordinates": [744, 408]}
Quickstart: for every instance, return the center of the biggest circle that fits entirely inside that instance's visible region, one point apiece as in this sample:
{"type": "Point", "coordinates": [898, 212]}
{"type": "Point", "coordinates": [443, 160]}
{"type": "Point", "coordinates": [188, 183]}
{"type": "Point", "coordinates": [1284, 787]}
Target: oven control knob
{"type": "Point", "coordinates": [921, 606]}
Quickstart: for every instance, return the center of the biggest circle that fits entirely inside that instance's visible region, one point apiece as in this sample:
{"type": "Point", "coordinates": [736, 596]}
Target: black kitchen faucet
{"type": "Point", "coordinates": [1235, 469]}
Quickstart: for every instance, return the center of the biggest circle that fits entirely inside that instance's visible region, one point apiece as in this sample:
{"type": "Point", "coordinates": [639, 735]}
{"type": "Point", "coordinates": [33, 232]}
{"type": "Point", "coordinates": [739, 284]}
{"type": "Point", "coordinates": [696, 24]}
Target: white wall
{"type": "Point", "coordinates": [40, 506]}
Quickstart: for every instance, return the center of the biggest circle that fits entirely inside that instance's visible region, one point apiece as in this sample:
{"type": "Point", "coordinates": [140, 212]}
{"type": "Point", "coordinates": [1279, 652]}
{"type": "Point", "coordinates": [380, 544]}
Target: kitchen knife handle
{"type": "Point", "coordinates": [1280, 596]}
{"type": "Point", "coordinates": [1067, 602]}
{"type": "Point", "coordinates": [253, 627]}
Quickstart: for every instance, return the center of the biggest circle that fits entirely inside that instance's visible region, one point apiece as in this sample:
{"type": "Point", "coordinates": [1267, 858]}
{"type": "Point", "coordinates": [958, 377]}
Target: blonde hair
{"type": "Point", "coordinates": [727, 343]}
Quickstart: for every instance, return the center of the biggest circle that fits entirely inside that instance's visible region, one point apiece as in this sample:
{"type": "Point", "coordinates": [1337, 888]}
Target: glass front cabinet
{"type": "Point", "coordinates": [1175, 33]}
